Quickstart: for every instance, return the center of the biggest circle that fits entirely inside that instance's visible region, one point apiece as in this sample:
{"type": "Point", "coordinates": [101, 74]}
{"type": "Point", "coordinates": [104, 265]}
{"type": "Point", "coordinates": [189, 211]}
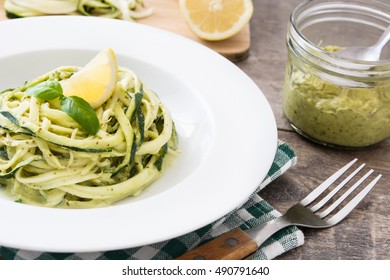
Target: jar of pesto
{"type": "Point", "coordinates": [329, 99]}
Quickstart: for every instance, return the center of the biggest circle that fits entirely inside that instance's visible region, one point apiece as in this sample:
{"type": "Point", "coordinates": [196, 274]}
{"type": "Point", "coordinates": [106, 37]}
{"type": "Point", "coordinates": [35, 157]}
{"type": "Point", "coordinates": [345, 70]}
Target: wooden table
{"type": "Point", "coordinates": [365, 234]}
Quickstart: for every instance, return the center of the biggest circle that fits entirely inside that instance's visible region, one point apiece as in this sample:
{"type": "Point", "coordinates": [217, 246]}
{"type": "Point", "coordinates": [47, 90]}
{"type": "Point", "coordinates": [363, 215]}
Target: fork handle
{"type": "Point", "coordinates": [234, 245]}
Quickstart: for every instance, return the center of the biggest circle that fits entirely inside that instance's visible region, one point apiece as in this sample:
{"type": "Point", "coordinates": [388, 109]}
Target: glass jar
{"type": "Point", "coordinates": [332, 100]}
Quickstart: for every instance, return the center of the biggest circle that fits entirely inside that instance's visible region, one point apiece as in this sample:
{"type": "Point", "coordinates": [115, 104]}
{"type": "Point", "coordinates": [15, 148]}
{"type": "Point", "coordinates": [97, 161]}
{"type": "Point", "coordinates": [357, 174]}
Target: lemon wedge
{"type": "Point", "coordinates": [216, 20]}
{"type": "Point", "coordinates": [96, 81]}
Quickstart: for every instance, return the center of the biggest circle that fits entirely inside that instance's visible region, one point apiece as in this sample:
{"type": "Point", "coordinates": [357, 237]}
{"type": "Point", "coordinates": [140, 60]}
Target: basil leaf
{"type": "Point", "coordinates": [47, 90]}
{"type": "Point", "coordinates": [83, 113]}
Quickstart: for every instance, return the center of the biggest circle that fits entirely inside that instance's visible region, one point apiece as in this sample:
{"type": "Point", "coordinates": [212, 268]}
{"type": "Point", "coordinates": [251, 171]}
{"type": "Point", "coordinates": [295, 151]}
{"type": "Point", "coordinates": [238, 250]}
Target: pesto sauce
{"type": "Point", "coordinates": [337, 115]}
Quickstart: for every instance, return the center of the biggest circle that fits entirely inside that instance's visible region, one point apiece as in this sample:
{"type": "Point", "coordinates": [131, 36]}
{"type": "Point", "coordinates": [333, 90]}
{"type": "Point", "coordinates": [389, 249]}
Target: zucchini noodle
{"type": "Point", "coordinates": [48, 159]}
{"type": "Point", "coordinates": [123, 9]}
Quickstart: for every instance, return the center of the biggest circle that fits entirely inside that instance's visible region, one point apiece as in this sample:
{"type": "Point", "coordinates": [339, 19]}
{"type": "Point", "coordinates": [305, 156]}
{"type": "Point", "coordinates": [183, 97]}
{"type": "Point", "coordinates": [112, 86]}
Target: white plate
{"type": "Point", "coordinates": [227, 133]}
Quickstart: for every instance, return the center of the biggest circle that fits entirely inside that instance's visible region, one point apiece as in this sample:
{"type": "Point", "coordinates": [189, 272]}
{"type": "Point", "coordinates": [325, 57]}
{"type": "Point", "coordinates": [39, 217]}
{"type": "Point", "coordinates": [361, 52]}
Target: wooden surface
{"type": "Point", "coordinates": [365, 234]}
{"type": "Point", "coordinates": [167, 16]}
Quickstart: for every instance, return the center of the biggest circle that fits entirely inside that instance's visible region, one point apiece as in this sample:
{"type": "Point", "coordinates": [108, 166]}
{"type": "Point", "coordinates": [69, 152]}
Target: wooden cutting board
{"type": "Point", "coordinates": [167, 16]}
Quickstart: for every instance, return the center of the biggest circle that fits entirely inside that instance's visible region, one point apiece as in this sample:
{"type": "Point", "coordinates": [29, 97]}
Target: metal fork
{"type": "Point", "coordinates": [238, 244]}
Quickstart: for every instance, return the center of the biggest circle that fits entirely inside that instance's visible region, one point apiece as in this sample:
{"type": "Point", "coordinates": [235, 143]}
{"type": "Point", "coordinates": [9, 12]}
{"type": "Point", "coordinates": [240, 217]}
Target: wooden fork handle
{"type": "Point", "coordinates": [234, 245]}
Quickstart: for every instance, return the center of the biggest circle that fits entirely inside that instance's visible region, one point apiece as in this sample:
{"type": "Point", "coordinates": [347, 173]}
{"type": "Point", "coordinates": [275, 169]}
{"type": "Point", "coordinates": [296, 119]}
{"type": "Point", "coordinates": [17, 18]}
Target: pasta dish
{"type": "Point", "coordinates": [48, 158]}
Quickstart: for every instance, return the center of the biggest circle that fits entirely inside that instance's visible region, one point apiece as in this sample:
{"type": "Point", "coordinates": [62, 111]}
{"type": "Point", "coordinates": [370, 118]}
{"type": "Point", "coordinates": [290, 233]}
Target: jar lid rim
{"type": "Point", "coordinates": [310, 5]}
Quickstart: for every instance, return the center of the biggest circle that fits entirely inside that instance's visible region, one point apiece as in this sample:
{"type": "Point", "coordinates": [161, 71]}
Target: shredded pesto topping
{"type": "Point", "coordinates": [334, 114]}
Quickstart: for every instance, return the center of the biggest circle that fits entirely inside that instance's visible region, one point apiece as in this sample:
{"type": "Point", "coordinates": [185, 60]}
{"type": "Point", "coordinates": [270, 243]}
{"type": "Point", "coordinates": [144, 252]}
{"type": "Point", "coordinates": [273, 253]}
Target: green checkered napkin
{"type": "Point", "coordinates": [255, 211]}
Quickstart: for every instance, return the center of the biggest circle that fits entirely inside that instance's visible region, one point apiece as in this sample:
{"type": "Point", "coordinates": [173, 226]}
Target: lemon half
{"type": "Point", "coordinates": [96, 81]}
{"type": "Point", "coordinates": [216, 19]}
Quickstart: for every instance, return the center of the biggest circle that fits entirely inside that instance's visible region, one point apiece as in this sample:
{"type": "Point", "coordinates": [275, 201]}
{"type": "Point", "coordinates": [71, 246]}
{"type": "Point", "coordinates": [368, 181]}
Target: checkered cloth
{"type": "Point", "coordinates": [255, 211]}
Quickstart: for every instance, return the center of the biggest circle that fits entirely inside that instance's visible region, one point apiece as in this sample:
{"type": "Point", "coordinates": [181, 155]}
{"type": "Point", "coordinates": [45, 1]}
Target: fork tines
{"type": "Point", "coordinates": [326, 185]}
